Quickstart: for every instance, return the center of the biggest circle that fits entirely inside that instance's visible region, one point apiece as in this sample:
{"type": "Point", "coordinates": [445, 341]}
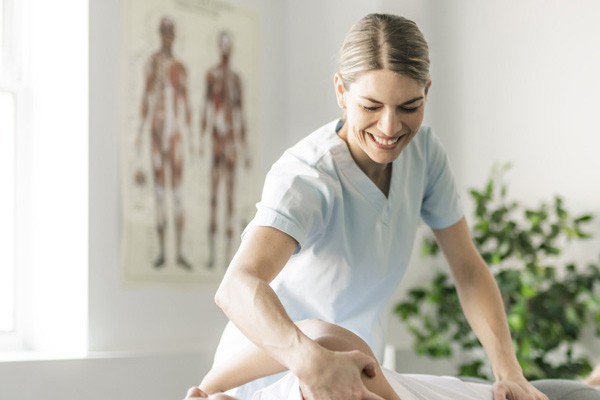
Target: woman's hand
{"type": "Point", "coordinates": [336, 375]}
{"type": "Point", "coordinates": [516, 389]}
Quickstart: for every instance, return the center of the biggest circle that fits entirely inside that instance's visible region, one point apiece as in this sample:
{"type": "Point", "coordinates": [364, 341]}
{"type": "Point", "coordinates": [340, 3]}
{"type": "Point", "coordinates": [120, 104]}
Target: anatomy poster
{"type": "Point", "coordinates": [189, 137]}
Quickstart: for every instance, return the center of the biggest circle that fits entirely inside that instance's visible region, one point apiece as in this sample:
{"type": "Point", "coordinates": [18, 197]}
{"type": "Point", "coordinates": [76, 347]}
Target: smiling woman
{"type": "Point", "coordinates": [336, 223]}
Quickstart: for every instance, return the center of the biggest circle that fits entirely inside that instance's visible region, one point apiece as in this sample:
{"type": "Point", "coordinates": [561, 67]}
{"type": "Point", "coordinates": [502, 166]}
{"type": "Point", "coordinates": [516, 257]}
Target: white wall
{"type": "Point", "coordinates": [113, 376]}
{"type": "Point", "coordinates": [524, 88]}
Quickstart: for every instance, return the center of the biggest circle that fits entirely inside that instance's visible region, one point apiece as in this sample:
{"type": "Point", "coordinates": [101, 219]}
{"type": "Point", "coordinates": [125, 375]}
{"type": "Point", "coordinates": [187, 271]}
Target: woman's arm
{"type": "Point", "coordinates": [253, 363]}
{"type": "Point", "coordinates": [247, 299]}
{"type": "Point", "coordinates": [482, 304]}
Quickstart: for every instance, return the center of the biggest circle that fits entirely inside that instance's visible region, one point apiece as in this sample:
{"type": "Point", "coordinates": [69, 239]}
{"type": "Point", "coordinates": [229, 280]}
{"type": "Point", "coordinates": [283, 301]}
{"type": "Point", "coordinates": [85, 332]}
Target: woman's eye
{"type": "Point", "coordinates": [370, 108]}
{"type": "Point", "coordinates": [409, 110]}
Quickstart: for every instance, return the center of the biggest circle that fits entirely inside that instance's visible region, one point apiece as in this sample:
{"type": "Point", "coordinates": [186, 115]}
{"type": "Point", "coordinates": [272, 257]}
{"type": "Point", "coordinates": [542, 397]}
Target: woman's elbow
{"type": "Point", "coordinates": [229, 291]}
{"type": "Point", "coordinates": [221, 296]}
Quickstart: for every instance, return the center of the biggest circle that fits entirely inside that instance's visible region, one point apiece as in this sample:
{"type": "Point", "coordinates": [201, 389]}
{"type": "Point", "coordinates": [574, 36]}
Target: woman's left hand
{"type": "Point", "coordinates": [516, 389]}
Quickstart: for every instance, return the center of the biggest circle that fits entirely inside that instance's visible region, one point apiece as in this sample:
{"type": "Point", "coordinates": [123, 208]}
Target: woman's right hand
{"type": "Point", "coordinates": [333, 375]}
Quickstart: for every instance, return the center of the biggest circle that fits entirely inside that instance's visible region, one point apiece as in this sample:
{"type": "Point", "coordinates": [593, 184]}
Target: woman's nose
{"type": "Point", "coordinates": [389, 122]}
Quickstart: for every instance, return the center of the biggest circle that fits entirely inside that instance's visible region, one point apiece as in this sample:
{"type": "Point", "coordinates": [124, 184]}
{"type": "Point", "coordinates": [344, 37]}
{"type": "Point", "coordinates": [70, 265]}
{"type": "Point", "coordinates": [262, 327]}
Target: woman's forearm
{"type": "Point", "coordinates": [482, 304]}
{"type": "Point", "coordinates": [255, 309]}
{"type": "Point", "coordinates": [479, 297]}
{"type": "Point", "coordinates": [248, 300]}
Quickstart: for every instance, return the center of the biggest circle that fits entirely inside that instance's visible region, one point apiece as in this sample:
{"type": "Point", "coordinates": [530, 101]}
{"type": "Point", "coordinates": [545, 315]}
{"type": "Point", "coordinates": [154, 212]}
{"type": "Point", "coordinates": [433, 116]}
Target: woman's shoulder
{"type": "Point", "coordinates": [308, 165]}
{"type": "Point", "coordinates": [321, 143]}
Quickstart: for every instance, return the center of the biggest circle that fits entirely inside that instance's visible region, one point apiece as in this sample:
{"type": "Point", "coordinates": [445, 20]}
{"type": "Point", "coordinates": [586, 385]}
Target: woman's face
{"type": "Point", "coordinates": [384, 111]}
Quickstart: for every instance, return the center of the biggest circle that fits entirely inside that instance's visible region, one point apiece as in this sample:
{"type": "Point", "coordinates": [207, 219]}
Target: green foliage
{"type": "Point", "coordinates": [547, 307]}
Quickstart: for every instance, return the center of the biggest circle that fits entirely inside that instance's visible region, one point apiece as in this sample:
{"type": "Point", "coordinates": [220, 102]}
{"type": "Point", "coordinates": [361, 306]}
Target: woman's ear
{"type": "Point", "coordinates": [340, 90]}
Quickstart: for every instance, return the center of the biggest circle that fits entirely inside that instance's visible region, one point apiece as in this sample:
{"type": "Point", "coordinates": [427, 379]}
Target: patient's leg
{"type": "Point", "coordinates": [249, 364]}
{"type": "Point", "coordinates": [253, 363]}
{"type": "Point", "coordinates": [336, 338]}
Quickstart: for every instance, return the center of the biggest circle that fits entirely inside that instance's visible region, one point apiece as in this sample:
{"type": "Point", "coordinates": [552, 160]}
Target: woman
{"type": "Point", "coordinates": [336, 223]}
{"type": "Point", "coordinates": [253, 363]}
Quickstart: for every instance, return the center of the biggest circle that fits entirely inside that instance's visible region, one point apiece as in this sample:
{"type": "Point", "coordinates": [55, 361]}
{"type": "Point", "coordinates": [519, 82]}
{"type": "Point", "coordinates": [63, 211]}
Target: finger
{"type": "Point", "coordinates": [499, 392]}
{"type": "Point", "coordinates": [369, 370]}
{"type": "Point", "coordinates": [371, 396]}
{"type": "Point", "coordinates": [368, 364]}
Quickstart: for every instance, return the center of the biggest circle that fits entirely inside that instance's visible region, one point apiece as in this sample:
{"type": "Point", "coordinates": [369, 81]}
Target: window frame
{"type": "Point", "coordinates": [13, 79]}
{"type": "Point", "coordinates": [10, 213]}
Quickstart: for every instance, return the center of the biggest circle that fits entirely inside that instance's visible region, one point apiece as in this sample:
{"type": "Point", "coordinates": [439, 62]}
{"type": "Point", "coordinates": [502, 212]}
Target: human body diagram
{"type": "Point", "coordinates": [164, 99]}
{"type": "Point", "coordinates": [165, 118]}
{"type": "Point", "coordinates": [223, 120]}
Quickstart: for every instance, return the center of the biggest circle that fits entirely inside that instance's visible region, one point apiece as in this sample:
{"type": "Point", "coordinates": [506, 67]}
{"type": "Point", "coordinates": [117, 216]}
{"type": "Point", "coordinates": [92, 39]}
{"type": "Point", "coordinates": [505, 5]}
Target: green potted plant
{"type": "Point", "coordinates": [547, 306]}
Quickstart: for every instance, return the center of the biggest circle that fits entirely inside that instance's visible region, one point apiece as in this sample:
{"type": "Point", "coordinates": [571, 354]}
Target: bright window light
{"type": "Point", "coordinates": [57, 277]}
{"type": "Point", "coordinates": [43, 177]}
{"type": "Point", "coordinates": [2, 37]}
{"type": "Point", "coordinates": [7, 211]}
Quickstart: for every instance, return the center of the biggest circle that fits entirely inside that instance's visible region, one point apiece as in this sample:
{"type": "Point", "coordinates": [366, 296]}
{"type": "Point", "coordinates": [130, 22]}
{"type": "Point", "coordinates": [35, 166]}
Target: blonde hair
{"type": "Point", "coordinates": [384, 41]}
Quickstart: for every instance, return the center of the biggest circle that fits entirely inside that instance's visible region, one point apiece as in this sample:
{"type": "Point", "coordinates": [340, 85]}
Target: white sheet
{"type": "Point", "coordinates": [407, 386]}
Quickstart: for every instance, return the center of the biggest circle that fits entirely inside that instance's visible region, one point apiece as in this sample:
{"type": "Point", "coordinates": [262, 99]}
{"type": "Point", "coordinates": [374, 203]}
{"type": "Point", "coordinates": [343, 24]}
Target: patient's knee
{"type": "Point", "coordinates": [333, 337]}
{"type": "Point", "coordinates": [311, 325]}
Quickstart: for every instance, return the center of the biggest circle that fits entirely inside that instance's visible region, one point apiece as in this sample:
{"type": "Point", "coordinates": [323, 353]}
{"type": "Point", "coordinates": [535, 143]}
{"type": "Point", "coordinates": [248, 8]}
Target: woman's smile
{"type": "Point", "coordinates": [385, 143]}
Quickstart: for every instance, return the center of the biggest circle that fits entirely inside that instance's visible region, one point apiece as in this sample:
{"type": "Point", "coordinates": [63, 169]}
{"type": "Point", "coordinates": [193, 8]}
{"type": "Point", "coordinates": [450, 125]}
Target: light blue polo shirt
{"type": "Point", "coordinates": [354, 243]}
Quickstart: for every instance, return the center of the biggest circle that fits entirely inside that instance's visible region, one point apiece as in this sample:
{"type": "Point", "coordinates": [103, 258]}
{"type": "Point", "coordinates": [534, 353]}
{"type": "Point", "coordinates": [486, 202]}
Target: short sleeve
{"type": "Point", "coordinates": [296, 200]}
{"type": "Point", "coordinates": [441, 206]}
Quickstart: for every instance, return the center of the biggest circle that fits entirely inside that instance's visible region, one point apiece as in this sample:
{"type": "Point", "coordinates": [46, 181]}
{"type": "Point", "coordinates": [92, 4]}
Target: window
{"type": "Point", "coordinates": [43, 177]}
{"type": "Point", "coordinates": [11, 93]}
{"type": "Point", "coordinates": [7, 211]}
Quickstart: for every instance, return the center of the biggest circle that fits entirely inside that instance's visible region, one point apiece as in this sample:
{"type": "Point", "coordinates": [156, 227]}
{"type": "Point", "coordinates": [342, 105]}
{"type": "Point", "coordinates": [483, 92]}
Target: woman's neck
{"type": "Point", "coordinates": [382, 178]}
{"type": "Point", "coordinates": [379, 174]}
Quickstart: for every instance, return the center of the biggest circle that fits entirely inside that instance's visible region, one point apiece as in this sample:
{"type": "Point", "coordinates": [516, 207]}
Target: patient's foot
{"type": "Point", "coordinates": [594, 378]}
{"type": "Point", "coordinates": [195, 393]}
